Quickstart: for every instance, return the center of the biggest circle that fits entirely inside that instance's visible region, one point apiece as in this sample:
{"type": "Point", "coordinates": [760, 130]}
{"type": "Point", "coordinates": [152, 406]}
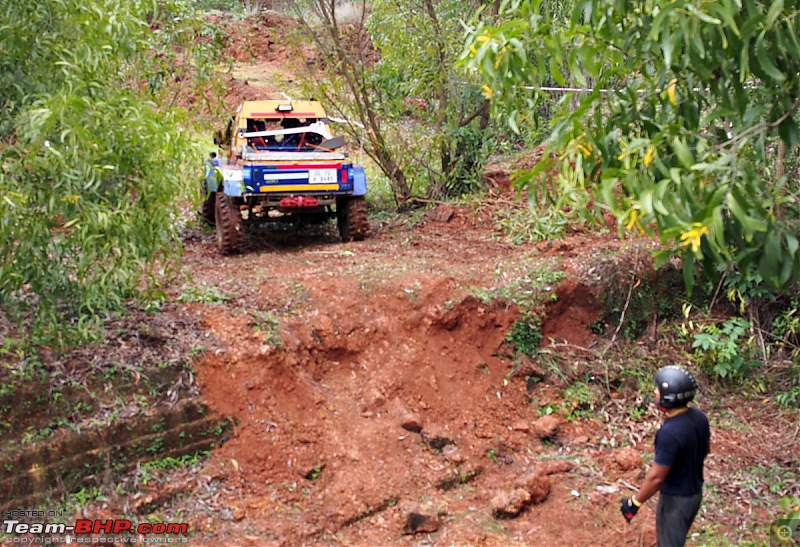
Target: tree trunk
{"type": "Point", "coordinates": [352, 70]}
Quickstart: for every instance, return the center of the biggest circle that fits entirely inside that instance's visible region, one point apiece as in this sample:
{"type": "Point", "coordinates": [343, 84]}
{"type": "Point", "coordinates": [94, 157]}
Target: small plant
{"type": "Point", "coordinates": [789, 398]}
{"type": "Point", "coordinates": [724, 348]}
{"type": "Point", "coordinates": [530, 225]}
{"type": "Point", "coordinates": [316, 472]}
{"type": "Point", "coordinates": [492, 454]}
{"type": "Point", "coordinates": [268, 323]}
{"type": "Point", "coordinates": [598, 327]}
{"type": "Point", "coordinates": [637, 412]}
{"type": "Point", "coordinates": [790, 515]}
{"type": "Point", "coordinates": [786, 329]}
{"type": "Point", "coordinates": [557, 203]}
{"type": "Point", "coordinates": [156, 446]}
{"type": "Point", "coordinates": [743, 287]}
{"type": "Point", "coordinates": [525, 335]}
{"type": "Point", "coordinates": [207, 294]}
{"type": "Point", "coordinates": [83, 497]}
{"type": "Point", "coordinates": [169, 462]}
{"type": "Point", "coordinates": [549, 408]}
{"type": "Point", "coordinates": [32, 435]}
{"type": "Point", "coordinates": [529, 289]}
{"type": "Point", "coordinates": [578, 400]}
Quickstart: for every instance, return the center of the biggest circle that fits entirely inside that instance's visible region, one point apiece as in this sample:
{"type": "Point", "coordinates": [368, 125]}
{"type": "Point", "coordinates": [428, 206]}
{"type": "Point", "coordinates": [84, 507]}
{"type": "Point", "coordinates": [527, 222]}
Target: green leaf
{"type": "Point", "coordinates": [703, 16]}
{"type": "Point", "coordinates": [744, 61]}
{"type": "Point", "coordinates": [789, 132]}
{"type": "Point", "coordinates": [763, 55]}
{"type": "Point", "coordinates": [682, 152]}
{"type": "Point", "coordinates": [774, 12]}
{"type": "Point", "coordinates": [512, 122]}
{"type": "Point", "coordinates": [750, 226]}
{"type": "Point", "coordinates": [660, 258]}
{"type": "Point", "coordinates": [791, 244]}
{"type": "Point", "coordinates": [771, 258]}
{"type": "Point", "coordinates": [555, 71]}
{"type": "Point", "coordinates": [646, 201]}
{"type": "Point", "coordinates": [794, 44]}
{"type": "Point", "coordinates": [727, 10]}
{"type": "Point", "coordinates": [786, 273]}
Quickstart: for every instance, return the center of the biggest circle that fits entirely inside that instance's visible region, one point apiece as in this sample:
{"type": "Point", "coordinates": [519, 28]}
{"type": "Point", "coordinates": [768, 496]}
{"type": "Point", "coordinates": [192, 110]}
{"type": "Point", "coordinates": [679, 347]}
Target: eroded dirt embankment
{"type": "Point", "coordinates": [384, 387]}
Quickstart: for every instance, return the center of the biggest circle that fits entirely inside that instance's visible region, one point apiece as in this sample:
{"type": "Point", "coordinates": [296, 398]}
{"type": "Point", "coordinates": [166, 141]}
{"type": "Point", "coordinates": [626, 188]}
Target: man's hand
{"type": "Point", "coordinates": [628, 508]}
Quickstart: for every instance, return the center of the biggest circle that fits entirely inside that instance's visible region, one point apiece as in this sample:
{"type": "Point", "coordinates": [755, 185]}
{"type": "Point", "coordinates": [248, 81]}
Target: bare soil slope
{"type": "Point", "coordinates": [386, 392]}
{"type": "Point", "coordinates": [370, 384]}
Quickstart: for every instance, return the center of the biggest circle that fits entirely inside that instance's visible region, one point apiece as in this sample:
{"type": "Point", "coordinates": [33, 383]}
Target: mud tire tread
{"type": "Point", "coordinates": [228, 222]}
{"type": "Point", "coordinates": [208, 209]}
{"type": "Point", "coordinates": [353, 219]}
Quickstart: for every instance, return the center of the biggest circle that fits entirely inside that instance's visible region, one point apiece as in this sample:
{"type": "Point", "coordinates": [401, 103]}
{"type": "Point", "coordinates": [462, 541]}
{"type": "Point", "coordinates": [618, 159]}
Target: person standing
{"type": "Point", "coordinates": [681, 446]}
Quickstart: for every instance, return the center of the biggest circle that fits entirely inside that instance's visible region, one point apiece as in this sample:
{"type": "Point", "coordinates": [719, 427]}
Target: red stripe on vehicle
{"type": "Point", "coordinates": [275, 113]}
{"type": "Point", "coordinates": [310, 166]}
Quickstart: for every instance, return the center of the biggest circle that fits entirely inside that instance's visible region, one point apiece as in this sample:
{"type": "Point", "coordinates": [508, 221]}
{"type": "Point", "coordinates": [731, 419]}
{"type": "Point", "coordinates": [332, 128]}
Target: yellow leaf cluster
{"type": "Point", "coordinates": [692, 237]}
{"type": "Point", "coordinates": [649, 155]}
{"type": "Point", "coordinates": [633, 220]}
{"type": "Point", "coordinates": [673, 99]}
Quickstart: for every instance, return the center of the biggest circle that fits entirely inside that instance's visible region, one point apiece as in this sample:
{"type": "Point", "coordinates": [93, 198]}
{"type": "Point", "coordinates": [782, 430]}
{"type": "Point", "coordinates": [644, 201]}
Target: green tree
{"type": "Point", "coordinates": [419, 42]}
{"type": "Point", "coordinates": [390, 66]}
{"type": "Point", "coordinates": [91, 166]}
{"type": "Point", "coordinates": [688, 107]}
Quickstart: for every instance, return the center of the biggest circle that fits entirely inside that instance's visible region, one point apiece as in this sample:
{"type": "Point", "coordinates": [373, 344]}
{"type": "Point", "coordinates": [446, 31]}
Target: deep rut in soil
{"type": "Point", "coordinates": [391, 395]}
{"type": "Point", "coordinates": [335, 397]}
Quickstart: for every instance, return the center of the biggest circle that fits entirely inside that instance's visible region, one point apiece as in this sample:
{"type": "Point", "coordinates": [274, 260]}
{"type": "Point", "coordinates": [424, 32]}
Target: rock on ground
{"type": "Point", "coordinates": [627, 458]}
{"type": "Point", "coordinates": [418, 523]}
{"type": "Point", "coordinates": [510, 503]}
{"type": "Point", "coordinates": [546, 426]}
{"type": "Point", "coordinates": [537, 484]}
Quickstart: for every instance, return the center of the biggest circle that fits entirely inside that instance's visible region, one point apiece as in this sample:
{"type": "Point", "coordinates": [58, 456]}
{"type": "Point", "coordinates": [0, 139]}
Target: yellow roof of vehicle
{"type": "Point", "coordinates": [282, 108]}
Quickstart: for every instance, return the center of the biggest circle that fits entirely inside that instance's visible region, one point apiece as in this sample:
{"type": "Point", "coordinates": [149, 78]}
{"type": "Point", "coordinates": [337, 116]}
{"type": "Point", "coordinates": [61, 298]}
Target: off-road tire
{"type": "Point", "coordinates": [228, 221]}
{"type": "Point", "coordinates": [208, 210]}
{"type": "Point", "coordinates": [352, 219]}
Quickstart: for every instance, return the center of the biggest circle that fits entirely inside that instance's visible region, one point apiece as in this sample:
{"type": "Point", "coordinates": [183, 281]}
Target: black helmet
{"type": "Point", "coordinates": [675, 385]}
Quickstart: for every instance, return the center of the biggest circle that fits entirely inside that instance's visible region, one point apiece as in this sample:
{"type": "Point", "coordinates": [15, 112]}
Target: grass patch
{"type": "Point", "coordinates": [203, 293]}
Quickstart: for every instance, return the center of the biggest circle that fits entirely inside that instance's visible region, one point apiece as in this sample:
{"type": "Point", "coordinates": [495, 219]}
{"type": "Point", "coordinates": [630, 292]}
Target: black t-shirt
{"type": "Point", "coordinates": [682, 444]}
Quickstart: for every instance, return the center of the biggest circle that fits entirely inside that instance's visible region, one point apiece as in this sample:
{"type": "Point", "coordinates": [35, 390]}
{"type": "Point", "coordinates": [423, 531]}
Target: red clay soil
{"type": "Point", "coordinates": [388, 391]}
{"type": "Point", "coordinates": [371, 386]}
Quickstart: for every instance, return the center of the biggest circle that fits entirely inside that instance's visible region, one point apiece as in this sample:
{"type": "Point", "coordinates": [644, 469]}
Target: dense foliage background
{"type": "Point", "coordinates": [94, 157]}
{"type": "Point", "coordinates": [686, 123]}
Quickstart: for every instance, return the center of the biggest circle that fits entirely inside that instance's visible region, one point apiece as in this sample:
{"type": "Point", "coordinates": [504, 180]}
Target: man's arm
{"type": "Point", "coordinates": [652, 482]}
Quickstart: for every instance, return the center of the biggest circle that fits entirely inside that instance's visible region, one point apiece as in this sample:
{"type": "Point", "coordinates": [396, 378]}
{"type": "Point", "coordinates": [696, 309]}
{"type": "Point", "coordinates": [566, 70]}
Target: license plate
{"type": "Point", "coordinates": [322, 176]}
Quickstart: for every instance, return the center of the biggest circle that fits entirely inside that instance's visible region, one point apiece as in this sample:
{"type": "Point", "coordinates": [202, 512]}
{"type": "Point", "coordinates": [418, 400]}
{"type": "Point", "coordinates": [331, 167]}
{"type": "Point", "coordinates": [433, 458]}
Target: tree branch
{"type": "Point", "coordinates": [759, 127]}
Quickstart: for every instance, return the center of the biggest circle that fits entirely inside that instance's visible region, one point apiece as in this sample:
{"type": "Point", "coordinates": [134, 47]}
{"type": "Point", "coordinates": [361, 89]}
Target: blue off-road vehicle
{"type": "Point", "coordinates": [278, 161]}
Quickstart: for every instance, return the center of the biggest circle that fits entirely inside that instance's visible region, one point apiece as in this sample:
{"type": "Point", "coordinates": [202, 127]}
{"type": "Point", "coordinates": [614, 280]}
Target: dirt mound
{"type": "Point", "coordinates": [237, 91]}
{"type": "Point", "coordinates": [377, 401]}
{"type": "Point", "coordinates": [327, 410]}
{"type": "Point", "coordinates": [260, 37]}
{"type": "Point", "coordinates": [387, 396]}
{"type": "Point", "coordinates": [569, 319]}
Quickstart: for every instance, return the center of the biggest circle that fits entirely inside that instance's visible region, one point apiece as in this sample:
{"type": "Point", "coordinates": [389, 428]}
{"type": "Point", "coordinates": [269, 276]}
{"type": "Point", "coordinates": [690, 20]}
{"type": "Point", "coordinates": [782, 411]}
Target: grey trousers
{"type": "Point", "coordinates": [674, 517]}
